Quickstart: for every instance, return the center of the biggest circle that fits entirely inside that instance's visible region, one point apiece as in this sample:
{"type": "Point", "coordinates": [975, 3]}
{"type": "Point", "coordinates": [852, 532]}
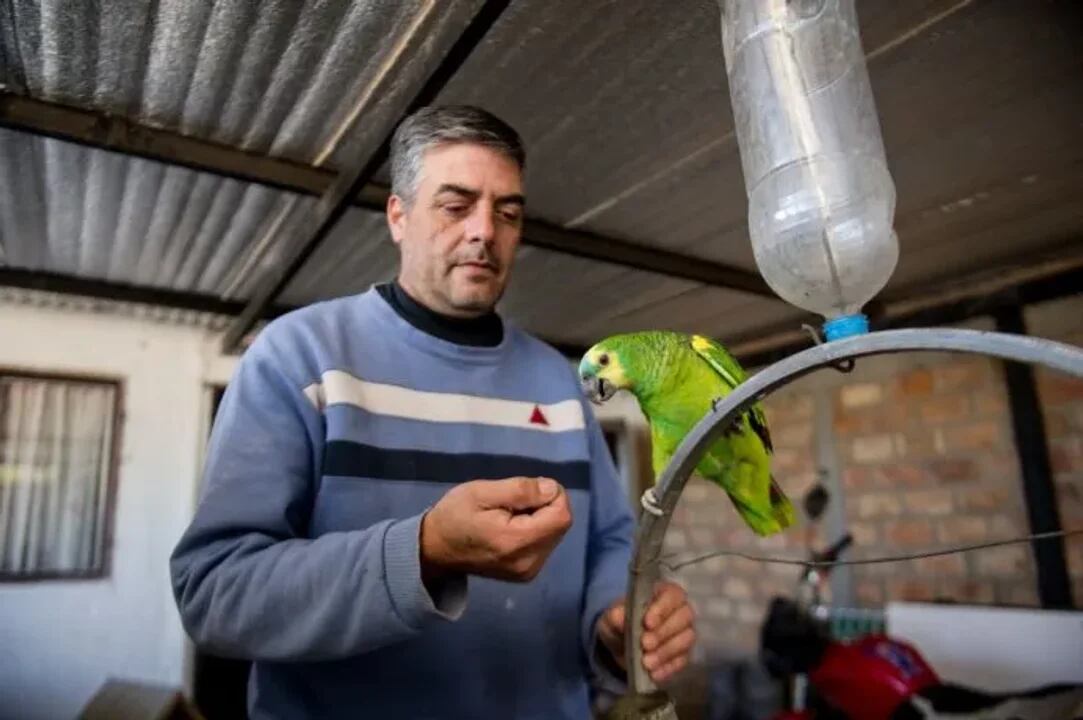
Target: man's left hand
{"type": "Point", "coordinates": [669, 632]}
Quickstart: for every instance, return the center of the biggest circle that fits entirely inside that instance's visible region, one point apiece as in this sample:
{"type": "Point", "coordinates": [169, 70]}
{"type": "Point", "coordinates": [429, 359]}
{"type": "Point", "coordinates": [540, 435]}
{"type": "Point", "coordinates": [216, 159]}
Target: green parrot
{"type": "Point", "coordinates": [676, 379]}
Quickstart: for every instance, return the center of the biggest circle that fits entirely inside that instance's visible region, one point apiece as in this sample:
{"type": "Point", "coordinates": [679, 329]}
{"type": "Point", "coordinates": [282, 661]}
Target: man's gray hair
{"type": "Point", "coordinates": [444, 124]}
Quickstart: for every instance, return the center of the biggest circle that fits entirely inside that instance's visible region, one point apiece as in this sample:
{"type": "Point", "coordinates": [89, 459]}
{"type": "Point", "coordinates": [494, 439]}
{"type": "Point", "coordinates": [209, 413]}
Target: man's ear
{"type": "Point", "coordinates": [396, 217]}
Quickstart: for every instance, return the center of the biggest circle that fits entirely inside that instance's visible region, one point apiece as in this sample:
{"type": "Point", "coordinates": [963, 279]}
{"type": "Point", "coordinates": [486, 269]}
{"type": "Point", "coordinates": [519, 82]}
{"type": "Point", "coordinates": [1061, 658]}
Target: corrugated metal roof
{"type": "Point", "coordinates": [283, 78]}
{"type": "Point", "coordinates": [278, 77]}
{"type": "Point", "coordinates": [971, 96]}
{"type": "Point", "coordinates": [629, 95]}
{"type": "Point", "coordinates": [358, 253]}
{"type": "Point", "coordinates": [69, 209]}
{"type": "Point", "coordinates": [623, 106]}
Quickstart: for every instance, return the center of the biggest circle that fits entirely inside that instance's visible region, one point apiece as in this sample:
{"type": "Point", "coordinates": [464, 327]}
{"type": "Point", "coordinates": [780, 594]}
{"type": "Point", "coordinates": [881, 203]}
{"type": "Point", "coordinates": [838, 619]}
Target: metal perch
{"type": "Point", "coordinates": [645, 566]}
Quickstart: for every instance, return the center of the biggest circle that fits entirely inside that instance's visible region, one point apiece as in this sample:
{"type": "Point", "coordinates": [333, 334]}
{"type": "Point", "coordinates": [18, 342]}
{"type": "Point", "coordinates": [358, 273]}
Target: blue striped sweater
{"type": "Point", "coordinates": [341, 425]}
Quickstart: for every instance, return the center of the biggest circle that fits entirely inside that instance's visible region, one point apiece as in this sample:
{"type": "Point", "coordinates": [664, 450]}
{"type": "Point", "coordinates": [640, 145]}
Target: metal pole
{"type": "Point", "coordinates": [1039, 491]}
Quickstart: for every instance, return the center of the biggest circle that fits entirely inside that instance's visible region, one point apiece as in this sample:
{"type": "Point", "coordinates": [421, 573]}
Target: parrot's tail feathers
{"type": "Point", "coordinates": [781, 507]}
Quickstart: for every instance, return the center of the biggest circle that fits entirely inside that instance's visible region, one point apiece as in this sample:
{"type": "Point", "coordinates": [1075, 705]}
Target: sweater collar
{"type": "Point", "coordinates": [484, 331]}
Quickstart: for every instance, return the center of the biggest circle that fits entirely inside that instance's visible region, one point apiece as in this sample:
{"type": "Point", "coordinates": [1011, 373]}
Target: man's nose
{"type": "Point", "coordinates": [479, 225]}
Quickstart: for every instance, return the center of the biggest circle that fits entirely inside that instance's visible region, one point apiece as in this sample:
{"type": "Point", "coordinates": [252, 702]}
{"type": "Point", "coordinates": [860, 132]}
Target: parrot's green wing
{"type": "Point", "coordinates": [756, 495]}
{"type": "Point", "coordinates": [733, 375]}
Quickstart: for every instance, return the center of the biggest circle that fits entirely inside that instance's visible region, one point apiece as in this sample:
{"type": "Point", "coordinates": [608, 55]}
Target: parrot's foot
{"type": "Point", "coordinates": [649, 501]}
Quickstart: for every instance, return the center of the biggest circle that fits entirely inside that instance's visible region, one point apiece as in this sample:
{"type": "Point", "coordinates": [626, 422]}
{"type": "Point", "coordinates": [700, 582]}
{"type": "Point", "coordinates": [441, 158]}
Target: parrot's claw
{"type": "Point", "coordinates": [714, 404]}
{"type": "Point", "coordinates": [649, 501]}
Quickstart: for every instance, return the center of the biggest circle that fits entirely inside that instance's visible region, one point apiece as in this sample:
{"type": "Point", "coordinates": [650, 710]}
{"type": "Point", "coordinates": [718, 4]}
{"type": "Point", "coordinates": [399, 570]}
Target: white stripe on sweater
{"type": "Point", "coordinates": [341, 388]}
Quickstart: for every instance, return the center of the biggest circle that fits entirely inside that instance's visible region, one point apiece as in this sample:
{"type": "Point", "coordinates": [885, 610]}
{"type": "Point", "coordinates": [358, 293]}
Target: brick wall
{"type": "Point", "coordinates": [929, 461]}
{"type": "Point", "coordinates": [925, 457]}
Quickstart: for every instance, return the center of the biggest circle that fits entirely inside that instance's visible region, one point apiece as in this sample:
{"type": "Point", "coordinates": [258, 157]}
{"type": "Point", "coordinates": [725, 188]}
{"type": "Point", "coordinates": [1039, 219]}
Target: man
{"type": "Point", "coordinates": [409, 510]}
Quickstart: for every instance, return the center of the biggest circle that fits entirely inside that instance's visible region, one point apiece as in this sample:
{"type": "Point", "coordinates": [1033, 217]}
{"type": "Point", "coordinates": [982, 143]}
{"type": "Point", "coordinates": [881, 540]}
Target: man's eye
{"type": "Point", "coordinates": [455, 209]}
{"type": "Point", "coordinates": [511, 216]}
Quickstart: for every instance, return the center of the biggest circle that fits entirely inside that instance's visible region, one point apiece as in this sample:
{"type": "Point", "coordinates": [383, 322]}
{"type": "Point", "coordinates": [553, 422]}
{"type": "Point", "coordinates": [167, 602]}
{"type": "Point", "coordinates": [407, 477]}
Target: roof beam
{"type": "Point", "coordinates": [1016, 284]}
{"type": "Point", "coordinates": [596, 247]}
{"type": "Point", "coordinates": [103, 131]}
{"type": "Point", "coordinates": [114, 133]}
{"type": "Point", "coordinates": [1013, 284]}
{"type": "Point", "coordinates": [121, 292]}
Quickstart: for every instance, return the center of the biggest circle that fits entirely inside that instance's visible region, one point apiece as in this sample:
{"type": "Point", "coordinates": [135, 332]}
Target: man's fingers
{"type": "Point", "coordinates": [670, 634]}
{"type": "Point", "coordinates": [669, 670]}
{"type": "Point", "coordinates": [557, 514]}
{"type": "Point", "coordinates": [547, 521]}
{"type": "Point", "coordinates": [522, 541]}
{"type": "Point", "coordinates": [678, 621]}
{"type": "Point", "coordinates": [517, 494]}
{"type": "Point", "coordinates": [668, 597]}
{"type": "Point", "coordinates": [675, 647]}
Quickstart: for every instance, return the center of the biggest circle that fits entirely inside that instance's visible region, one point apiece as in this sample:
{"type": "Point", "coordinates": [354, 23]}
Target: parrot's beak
{"type": "Point", "coordinates": [597, 389]}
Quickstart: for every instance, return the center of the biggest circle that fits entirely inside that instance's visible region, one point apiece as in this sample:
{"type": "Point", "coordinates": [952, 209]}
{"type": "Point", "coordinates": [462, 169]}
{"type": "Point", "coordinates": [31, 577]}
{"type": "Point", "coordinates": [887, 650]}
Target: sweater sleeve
{"type": "Point", "coordinates": [609, 554]}
{"type": "Point", "coordinates": [247, 580]}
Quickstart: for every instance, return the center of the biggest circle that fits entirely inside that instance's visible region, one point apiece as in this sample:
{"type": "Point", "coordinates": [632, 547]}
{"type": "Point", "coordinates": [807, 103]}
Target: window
{"type": "Point", "coordinates": [57, 466]}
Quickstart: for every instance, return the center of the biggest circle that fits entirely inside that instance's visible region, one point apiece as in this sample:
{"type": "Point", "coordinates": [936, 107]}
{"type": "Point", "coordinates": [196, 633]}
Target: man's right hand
{"type": "Point", "coordinates": [503, 529]}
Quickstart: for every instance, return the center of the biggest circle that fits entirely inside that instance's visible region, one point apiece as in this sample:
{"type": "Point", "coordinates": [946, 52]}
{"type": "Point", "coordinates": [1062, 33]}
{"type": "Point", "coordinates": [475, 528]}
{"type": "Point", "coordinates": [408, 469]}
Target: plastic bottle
{"type": "Point", "coordinates": [821, 199]}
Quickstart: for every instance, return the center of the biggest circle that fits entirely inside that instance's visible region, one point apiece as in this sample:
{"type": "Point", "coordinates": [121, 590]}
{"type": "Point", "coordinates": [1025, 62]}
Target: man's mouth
{"type": "Point", "coordinates": [479, 264]}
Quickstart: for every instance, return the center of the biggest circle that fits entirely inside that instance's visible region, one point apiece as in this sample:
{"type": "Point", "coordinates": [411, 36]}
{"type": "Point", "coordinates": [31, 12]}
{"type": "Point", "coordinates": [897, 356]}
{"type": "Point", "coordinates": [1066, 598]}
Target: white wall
{"type": "Point", "coordinates": [59, 640]}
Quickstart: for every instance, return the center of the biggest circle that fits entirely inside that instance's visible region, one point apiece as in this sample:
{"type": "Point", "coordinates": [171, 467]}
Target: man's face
{"type": "Point", "coordinates": [459, 235]}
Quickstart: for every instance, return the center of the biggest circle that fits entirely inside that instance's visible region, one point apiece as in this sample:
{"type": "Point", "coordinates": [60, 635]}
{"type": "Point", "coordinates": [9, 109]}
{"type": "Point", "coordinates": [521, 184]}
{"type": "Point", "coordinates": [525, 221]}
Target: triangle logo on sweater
{"type": "Point", "coordinates": [538, 417]}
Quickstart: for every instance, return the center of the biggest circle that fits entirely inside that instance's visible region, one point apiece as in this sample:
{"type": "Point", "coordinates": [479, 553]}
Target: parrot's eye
{"type": "Point", "coordinates": [603, 359]}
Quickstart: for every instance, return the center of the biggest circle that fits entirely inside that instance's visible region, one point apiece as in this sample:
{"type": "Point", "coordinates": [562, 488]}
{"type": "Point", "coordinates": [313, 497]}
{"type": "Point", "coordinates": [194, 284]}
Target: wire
{"type": "Point", "coordinates": [664, 560]}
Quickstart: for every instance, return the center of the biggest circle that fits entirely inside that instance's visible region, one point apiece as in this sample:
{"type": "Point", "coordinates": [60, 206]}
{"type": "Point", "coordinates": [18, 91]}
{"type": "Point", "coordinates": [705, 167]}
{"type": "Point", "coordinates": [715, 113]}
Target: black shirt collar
{"type": "Point", "coordinates": [484, 331]}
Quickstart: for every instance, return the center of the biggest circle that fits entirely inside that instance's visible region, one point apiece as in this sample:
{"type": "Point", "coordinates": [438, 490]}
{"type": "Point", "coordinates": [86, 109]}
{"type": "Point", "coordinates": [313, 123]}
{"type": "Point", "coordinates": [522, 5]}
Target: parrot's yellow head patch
{"type": "Point", "coordinates": [602, 374]}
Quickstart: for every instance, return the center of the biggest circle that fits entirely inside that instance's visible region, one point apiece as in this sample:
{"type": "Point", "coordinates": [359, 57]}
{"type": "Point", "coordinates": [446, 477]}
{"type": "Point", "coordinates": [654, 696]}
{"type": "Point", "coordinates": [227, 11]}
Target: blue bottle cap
{"type": "Point", "coordinates": [846, 326]}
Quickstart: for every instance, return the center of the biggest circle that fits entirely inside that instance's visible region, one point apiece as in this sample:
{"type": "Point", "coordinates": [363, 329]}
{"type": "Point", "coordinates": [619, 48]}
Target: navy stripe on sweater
{"type": "Point", "coordinates": [344, 458]}
{"type": "Point", "coordinates": [348, 422]}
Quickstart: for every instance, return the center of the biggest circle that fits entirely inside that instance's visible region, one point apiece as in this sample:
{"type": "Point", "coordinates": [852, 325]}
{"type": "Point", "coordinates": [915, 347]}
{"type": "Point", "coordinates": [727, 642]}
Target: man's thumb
{"type": "Point", "coordinates": [616, 617]}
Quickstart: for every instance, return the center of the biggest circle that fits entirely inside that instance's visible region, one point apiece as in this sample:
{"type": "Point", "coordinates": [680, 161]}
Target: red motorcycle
{"type": "Point", "coordinates": [873, 676]}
